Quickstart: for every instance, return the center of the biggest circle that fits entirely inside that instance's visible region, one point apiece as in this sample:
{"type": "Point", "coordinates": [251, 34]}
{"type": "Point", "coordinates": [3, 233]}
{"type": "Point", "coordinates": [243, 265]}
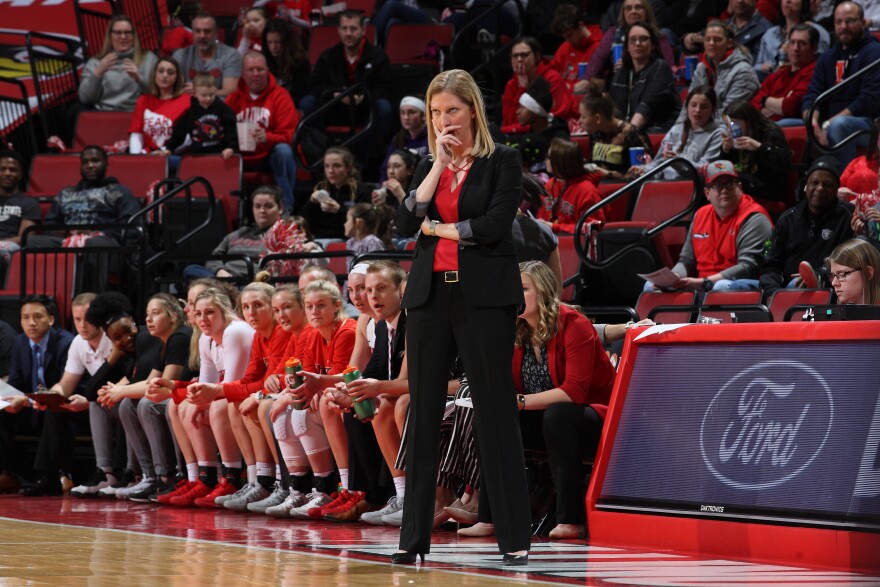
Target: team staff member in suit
{"type": "Point", "coordinates": [38, 359]}
{"type": "Point", "coordinates": [462, 296]}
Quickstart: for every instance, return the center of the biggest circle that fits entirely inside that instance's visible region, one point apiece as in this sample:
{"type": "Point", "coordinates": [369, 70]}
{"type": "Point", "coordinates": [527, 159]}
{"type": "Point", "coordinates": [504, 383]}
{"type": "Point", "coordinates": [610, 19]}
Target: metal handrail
{"type": "Point", "coordinates": [182, 187]}
{"type": "Point", "coordinates": [351, 90]}
{"type": "Point", "coordinates": [824, 97]}
{"type": "Point", "coordinates": [383, 255]}
{"type": "Point", "coordinates": [580, 237]}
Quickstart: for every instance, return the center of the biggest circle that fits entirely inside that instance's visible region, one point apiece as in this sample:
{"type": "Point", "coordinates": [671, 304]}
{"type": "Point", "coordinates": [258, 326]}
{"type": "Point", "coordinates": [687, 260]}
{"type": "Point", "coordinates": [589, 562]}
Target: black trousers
{"type": "Point", "coordinates": [569, 433]}
{"type": "Point", "coordinates": [484, 338]}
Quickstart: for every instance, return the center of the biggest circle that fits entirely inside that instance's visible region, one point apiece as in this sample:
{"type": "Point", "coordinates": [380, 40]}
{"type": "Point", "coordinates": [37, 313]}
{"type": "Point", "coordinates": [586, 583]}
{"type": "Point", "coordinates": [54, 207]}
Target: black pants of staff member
{"type": "Point", "coordinates": [569, 433]}
{"type": "Point", "coordinates": [484, 337]}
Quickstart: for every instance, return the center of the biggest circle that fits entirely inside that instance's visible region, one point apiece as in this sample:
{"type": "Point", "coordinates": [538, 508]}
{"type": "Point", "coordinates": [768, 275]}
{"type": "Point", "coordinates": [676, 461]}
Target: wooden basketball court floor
{"type": "Point", "coordinates": [68, 541]}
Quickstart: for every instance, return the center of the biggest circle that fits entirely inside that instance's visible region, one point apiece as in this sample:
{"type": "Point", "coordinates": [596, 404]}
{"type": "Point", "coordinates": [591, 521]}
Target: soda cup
{"type": "Point", "coordinates": [582, 70]}
{"type": "Point", "coordinates": [636, 156]}
{"type": "Point", "coordinates": [362, 409]}
{"type": "Point", "coordinates": [617, 52]}
{"type": "Point", "coordinates": [690, 64]}
{"type": "Point", "coordinates": [292, 379]}
{"type": "Point", "coordinates": [841, 70]}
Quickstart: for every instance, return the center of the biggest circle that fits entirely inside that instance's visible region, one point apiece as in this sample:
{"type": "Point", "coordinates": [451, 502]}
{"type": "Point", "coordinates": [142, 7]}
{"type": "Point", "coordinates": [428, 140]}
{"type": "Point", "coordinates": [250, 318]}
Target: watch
{"type": "Point", "coordinates": [520, 402]}
{"type": "Point", "coordinates": [707, 284]}
{"type": "Point", "coordinates": [432, 228]}
{"type": "Point", "coordinates": [826, 124]}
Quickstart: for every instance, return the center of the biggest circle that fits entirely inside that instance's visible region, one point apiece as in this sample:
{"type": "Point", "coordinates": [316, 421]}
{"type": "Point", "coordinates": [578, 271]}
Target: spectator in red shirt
{"type": "Point", "coordinates": [580, 42]}
{"type": "Point", "coordinates": [156, 111]}
{"type": "Point", "coordinates": [269, 109]}
{"type": "Point", "coordinates": [528, 63]}
{"type": "Point", "coordinates": [571, 191]}
{"type": "Point", "coordinates": [781, 95]}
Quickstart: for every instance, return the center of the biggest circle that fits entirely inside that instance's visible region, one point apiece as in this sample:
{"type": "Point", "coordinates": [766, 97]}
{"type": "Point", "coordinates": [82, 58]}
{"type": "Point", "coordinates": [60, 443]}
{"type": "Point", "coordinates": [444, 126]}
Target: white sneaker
{"type": "Point", "coordinates": [394, 505]}
{"type": "Point", "coordinates": [224, 498]}
{"type": "Point", "coordinates": [98, 481]}
{"type": "Point", "coordinates": [277, 497]}
{"type": "Point", "coordinates": [294, 500]}
{"type": "Point", "coordinates": [394, 518]}
{"type": "Point", "coordinates": [315, 499]}
{"type": "Point", "coordinates": [239, 504]}
{"type": "Point", "coordinates": [143, 485]}
{"type": "Point", "coordinates": [126, 480]}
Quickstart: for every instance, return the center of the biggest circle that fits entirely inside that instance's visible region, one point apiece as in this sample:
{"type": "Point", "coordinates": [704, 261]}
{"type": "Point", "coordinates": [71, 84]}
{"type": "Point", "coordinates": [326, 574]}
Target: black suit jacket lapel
{"type": "Point", "coordinates": [470, 188]}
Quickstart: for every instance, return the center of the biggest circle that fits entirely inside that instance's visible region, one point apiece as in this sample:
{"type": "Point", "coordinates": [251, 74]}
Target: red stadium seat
{"type": "Point", "coordinates": [51, 274]}
{"type": "Point", "coordinates": [571, 263]}
{"type": "Point", "coordinates": [786, 298]}
{"type": "Point", "coordinates": [338, 265]}
{"type": "Point", "coordinates": [616, 211]}
{"type": "Point", "coordinates": [406, 43]}
{"type": "Point", "coordinates": [100, 128]}
{"type": "Point", "coordinates": [50, 173]}
{"type": "Point", "coordinates": [648, 300]}
{"type": "Point", "coordinates": [138, 172]}
{"type": "Point", "coordinates": [583, 142]}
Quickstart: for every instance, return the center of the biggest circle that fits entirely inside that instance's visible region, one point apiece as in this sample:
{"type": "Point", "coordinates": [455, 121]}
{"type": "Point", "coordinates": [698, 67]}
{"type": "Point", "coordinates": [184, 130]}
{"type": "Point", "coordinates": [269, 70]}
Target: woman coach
{"type": "Point", "coordinates": [462, 296]}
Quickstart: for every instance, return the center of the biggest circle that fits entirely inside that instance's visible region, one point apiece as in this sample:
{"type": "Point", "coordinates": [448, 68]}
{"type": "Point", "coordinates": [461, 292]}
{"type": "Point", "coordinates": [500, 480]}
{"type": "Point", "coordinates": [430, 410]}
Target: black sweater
{"type": "Point", "coordinates": [210, 130]}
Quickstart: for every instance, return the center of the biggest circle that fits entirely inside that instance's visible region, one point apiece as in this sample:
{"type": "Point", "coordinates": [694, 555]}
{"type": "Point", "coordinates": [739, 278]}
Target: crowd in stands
{"type": "Point", "coordinates": [290, 400]}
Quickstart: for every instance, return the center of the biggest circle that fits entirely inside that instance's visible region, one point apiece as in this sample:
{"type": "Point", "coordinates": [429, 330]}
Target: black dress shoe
{"type": "Point", "coordinates": [42, 488]}
{"type": "Point", "coordinates": [406, 558]}
{"type": "Point", "coordinates": [515, 560]}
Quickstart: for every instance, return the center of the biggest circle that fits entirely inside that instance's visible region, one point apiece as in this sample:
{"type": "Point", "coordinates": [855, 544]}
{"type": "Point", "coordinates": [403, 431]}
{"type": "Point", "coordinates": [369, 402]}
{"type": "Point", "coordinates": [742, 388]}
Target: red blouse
{"type": "Point", "coordinates": [446, 253]}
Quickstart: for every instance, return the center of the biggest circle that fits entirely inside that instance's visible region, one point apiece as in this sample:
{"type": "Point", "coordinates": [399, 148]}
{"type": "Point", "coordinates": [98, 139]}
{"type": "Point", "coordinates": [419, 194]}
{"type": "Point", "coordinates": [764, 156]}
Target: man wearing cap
{"type": "Point", "coordinates": [806, 233]}
{"type": "Point", "coordinates": [726, 238]}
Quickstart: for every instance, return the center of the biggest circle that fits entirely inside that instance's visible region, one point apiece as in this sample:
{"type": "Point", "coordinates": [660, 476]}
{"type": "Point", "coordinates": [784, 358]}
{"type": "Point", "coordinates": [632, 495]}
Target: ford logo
{"type": "Point", "coordinates": [766, 425]}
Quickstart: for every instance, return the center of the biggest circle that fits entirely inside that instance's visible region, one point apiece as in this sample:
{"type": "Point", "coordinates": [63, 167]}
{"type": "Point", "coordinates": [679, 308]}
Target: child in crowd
{"type": "Point", "coordinates": [698, 138]}
{"type": "Point", "coordinates": [208, 126]}
{"type": "Point", "coordinates": [341, 188]}
{"type": "Point", "coordinates": [570, 192]}
{"type": "Point", "coordinates": [368, 228]}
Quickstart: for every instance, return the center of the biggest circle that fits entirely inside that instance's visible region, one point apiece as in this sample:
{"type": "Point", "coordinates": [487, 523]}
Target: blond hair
{"type": "Point", "coordinates": [546, 288]}
{"type": "Point", "coordinates": [460, 84]}
{"type": "Point", "coordinates": [331, 290]}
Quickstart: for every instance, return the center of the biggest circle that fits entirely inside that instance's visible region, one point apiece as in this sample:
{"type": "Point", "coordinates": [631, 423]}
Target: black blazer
{"type": "Point", "coordinates": [488, 269]}
{"type": "Point", "coordinates": [53, 362]}
{"type": "Point", "coordinates": [377, 367]}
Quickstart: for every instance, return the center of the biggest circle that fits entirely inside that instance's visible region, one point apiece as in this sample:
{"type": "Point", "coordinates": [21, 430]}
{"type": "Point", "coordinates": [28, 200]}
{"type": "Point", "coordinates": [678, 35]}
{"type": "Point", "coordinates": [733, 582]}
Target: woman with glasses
{"type": "Point", "coordinates": [120, 72]}
{"type": "Point", "coordinates": [528, 63]}
{"type": "Point", "coordinates": [854, 272]}
{"type": "Point", "coordinates": [643, 90]}
{"type": "Point", "coordinates": [602, 65]}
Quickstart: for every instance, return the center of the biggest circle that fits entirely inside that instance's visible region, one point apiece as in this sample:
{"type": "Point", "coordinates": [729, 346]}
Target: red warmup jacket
{"type": "Point", "coordinates": [791, 87]}
{"type": "Point", "coordinates": [265, 353]}
{"type": "Point", "coordinates": [293, 349]}
{"type": "Point", "coordinates": [329, 358]}
{"type": "Point", "coordinates": [576, 360]}
{"type": "Point", "coordinates": [714, 240]}
{"type": "Point", "coordinates": [575, 197]}
{"type": "Point", "coordinates": [565, 105]}
{"type": "Point", "coordinates": [273, 109]}
{"type": "Point", "coordinates": [567, 57]}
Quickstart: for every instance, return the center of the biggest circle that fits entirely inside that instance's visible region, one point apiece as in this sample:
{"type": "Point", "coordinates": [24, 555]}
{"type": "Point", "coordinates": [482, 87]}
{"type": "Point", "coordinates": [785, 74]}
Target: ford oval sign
{"type": "Point", "coordinates": [766, 425]}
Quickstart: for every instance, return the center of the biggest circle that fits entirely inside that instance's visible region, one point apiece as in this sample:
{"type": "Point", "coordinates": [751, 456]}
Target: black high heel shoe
{"type": "Point", "coordinates": [407, 558]}
{"type": "Point", "coordinates": [515, 560]}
